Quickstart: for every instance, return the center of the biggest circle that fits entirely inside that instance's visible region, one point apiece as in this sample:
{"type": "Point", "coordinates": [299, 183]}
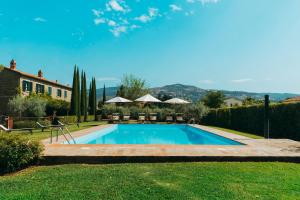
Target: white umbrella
{"type": "Point", "coordinates": [148, 98]}
{"type": "Point", "coordinates": [118, 100]}
{"type": "Point", "coordinates": [176, 101]}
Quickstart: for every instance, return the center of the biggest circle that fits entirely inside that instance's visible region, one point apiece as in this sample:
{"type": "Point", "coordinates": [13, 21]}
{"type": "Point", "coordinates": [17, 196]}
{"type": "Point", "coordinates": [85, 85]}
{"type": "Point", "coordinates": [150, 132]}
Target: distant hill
{"type": "Point", "coordinates": [194, 93]}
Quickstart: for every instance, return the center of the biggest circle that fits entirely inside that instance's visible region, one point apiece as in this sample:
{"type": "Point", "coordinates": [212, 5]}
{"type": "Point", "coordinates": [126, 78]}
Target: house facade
{"type": "Point", "coordinates": [13, 82]}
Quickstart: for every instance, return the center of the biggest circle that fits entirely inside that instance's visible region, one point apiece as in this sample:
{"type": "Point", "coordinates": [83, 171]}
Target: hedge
{"type": "Point", "coordinates": [17, 152]}
{"type": "Point", "coordinates": [284, 120]}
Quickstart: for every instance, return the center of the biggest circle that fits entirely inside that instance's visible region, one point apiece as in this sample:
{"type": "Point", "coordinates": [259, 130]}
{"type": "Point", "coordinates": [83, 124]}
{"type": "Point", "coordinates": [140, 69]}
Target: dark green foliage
{"type": "Point", "coordinates": [90, 103]}
{"type": "Point", "coordinates": [214, 99]}
{"type": "Point", "coordinates": [104, 95]}
{"type": "Point", "coordinates": [84, 97]}
{"type": "Point", "coordinates": [121, 91]}
{"type": "Point", "coordinates": [74, 97]}
{"type": "Point", "coordinates": [284, 120]}
{"type": "Point", "coordinates": [94, 97]}
{"type": "Point", "coordinates": [61, 107]}
{"type": "Point", "coordinates": [17, 152]}
{"type": "Point", "coordinates": [78, 109]}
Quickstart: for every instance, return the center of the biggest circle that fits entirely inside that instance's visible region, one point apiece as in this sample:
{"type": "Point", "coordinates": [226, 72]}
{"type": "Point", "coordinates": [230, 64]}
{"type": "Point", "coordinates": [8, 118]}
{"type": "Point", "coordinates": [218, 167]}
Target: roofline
{"type": "Point", "coordinates": [38, 78]}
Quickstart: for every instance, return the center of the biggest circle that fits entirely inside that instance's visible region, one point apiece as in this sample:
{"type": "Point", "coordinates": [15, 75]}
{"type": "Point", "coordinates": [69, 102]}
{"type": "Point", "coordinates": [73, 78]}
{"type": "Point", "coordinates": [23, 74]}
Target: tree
{"type": "Point", "coordinates": [16, 105]}
{"type": "Point", "coordinates": [249, 101]}
{"type": "Point", "coordinates": [104, 95]}
{"type": "Point", "coordinates": [133, 87]}
{"type": "Point", "coordinates": [74, 97]}
{"type": "Point", "coordinates": [90, 104]}
{"type": "Point", "coordinates": [214, 99]}
{"type": "Point", "coordinates": [32, 106]}
{"type": "Point", "coordinates": [121, 91]}
{"type": "Point", "coordinates": [78, 102]}
{"type": "Point", "coordinates": [84, 98]}
{"type": "Point", "coordinates": [94, 98]}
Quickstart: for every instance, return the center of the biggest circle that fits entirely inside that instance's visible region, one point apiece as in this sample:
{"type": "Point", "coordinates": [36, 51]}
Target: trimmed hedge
{"type": "Point", "coordinates": [284, 120]}
{"type": "Point", "coordinates": [17, 152]}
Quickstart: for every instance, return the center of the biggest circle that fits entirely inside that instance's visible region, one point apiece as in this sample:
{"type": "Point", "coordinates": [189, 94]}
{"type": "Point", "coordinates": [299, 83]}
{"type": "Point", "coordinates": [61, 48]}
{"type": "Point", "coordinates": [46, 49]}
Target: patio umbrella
{"type": "Point", "coordinates": [118, 100]}
{"type": "Point", "coordinates": [148, 99]}
{"type": "Point", "coordinates": [176, 101]}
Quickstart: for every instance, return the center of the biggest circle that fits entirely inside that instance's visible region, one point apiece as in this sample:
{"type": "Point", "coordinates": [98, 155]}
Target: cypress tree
{"type": "Point", "coordinates": [90, 100]}
{"type": "Point", "coordinates": [95, 98]}
{"type": "Point", "coordinates": [104, 95]}
{"type": "Point", "coordinates": [82, 95]}
{"type": "Point", "coordinates": [78, 96]}
{"type": "Point", "coordinates": [85, 98]}
{"type": "Point", "coordinates": [74, 94]}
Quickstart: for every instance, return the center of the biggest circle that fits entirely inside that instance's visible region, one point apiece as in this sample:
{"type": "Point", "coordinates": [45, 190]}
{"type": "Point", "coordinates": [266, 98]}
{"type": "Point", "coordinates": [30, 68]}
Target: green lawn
{"type": "Point", "coordinates": [39, 135]}
{"type": "Point", "coordinates": [155, 181]}
{"type": "Point", "coordinates": [238, 132]}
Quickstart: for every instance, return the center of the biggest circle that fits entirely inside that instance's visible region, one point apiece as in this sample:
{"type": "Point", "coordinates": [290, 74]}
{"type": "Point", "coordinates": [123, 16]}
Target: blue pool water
{"type": "Point", "coordinates": [154, 134]}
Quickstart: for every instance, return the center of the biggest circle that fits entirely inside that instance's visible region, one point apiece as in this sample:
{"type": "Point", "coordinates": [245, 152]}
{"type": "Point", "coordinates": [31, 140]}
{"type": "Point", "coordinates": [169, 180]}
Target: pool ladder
{"type": "Point", "coordinates": [61, 129]}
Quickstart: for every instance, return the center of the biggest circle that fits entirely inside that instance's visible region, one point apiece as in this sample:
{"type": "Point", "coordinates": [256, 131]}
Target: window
{"type": "Point", "coordinates": [27, 86]}
{"type": "Point", "coordinates": [49, 91]}
{"type": "Point", "coordinates": [40, 89]}
{"type": "Point", "coordinates": [66, 94]}
{"type": "Point", "coordinates": [59, 92]}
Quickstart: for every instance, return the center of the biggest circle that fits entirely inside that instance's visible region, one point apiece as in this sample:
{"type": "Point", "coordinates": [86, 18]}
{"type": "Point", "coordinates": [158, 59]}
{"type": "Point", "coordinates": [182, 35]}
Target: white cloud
{"type": "Point", "coordinates": [132, 27]}
{"type": "Point", "coordinates": [143, 18]}
{"type": "Point", "coordinates": [39, 19]}
{"type": "Point", "coordinates": [189, 13]}
{"type": "Point", "coordinates": [175, 7]}
{"type": "Point", "coordinates": [118, 30]}
{"type": "Point", "coordinates": [98, 21]}
{"type": "Point", "coordinates": [206, 81]}
{"type": "Point", "coordinates": [103, 79]}
{"type": "Point", "coordinates": [117, 5]}
{"type": "Point", "coordinates": [153, 12]}
{"type": "Point", "coordinates": [111, 23]}
{"type": "Point", "coordinates": [97, 13]}
{"type": "Point", "coordinates": [244, 80]}
{"type": "Point", "coordinates": [208, 1]}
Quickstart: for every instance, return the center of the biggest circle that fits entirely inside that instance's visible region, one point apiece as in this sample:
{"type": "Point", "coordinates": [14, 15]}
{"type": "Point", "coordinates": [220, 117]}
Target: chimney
{"type": "Point", "coordinates": [40, 74]}
{"type": "Point", "coordinates": [13, 64]}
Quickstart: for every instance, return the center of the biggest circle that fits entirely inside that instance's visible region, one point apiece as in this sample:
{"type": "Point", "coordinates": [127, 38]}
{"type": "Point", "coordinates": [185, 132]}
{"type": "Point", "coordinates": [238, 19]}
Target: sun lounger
{"type": "Point", "coordinates": [41, 126]}
{"type": "Point", "coordinates": [116, 117]}
{"type": "Point", "coordinates": [21, 129]}
{"type": "Point", "coordinates": [179, 118]}
{"type": "Point", "coordinates": [142, 117]}
{"type": "Point", "coordinates": [169, 118]}
{"type": "Point", "coordinates": [153, 117]}
{"type": "Point", "coordinates": [126, 117]}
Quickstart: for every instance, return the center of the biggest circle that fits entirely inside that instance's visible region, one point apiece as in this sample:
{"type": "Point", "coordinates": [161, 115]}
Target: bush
{"type": "Point", "coordinates": [30, 124]}
{"type": "Point", "coordinates": [284, 120]}
{"type": "Point", "coordinates": [17, 152]}
{"type": "Point", "coordinates": [61, 107]}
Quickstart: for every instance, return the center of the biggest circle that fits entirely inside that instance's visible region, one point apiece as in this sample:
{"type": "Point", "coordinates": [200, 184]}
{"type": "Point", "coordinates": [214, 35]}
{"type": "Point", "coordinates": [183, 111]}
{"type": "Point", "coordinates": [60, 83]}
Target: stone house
{"type": "Point", "coordinates": [13, 82]}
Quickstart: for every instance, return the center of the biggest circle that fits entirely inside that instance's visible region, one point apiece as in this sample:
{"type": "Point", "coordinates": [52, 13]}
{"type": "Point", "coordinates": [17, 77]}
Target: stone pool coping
{"type": "Point", "coordinates": [253, 150]}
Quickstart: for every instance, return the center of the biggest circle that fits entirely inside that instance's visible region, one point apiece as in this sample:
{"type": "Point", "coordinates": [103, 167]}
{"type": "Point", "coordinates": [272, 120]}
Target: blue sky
{"type": "Point", "coordinates": [250, 45]}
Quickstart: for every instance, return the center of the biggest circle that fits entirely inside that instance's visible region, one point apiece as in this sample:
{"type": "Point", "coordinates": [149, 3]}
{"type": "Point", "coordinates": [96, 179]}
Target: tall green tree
{"type": "Point", "coordinates": [90, 103]}
{"type": "Point", "coordinates": [78, 110]}
{"type": "Point", "coordinates": [104, 95]}
{"type": "Point", "coordinates": [134, 87]}
{"type": "Point", "coordinates": [121, 91]}
{"type": "Point", "coordinates": [94, 98]}
{"type": "Point", "coordinates": [213, 99]}
{"type": "Point", "coordinates": [84, 97]}
{"type": "Point", "coordinates": [74, 97]}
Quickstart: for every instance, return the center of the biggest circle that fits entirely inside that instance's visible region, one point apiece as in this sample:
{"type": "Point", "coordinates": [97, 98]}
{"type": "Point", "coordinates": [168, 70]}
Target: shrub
{"type": "Point", "coordinates": [284, 120]}
{"type": "Point", "coordinates": [61, 107]}
{"type": "Point", "coordinates": [30, 123]}
{"type": "Point", "coordinates": [17, 152]}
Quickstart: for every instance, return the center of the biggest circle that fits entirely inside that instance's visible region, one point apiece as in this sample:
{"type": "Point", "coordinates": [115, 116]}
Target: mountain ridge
{"type": "Point", "coordinates": [194, 93]}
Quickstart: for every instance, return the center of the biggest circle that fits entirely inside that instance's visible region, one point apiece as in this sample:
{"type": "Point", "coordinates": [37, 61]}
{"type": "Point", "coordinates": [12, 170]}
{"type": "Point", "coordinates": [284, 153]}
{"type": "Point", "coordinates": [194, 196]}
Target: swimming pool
{"type": "Point", "coordinates": [154, 134]}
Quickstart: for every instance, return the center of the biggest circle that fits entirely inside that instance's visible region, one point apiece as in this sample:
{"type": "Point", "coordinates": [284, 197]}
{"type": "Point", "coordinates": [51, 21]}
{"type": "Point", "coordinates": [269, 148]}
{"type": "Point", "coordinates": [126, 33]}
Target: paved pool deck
{"type": "Point", "coordinates": [281, 150]}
